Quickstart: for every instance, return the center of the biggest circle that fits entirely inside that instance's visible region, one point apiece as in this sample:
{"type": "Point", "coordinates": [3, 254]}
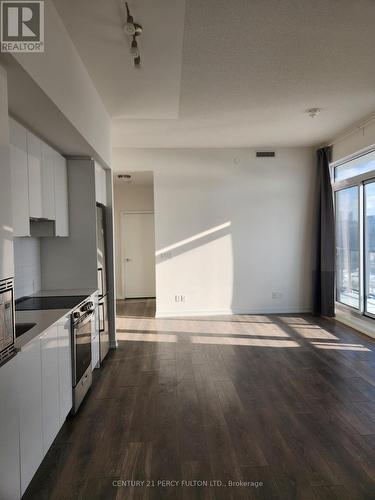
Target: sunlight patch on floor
{"type": "Point", "coordinates": [244, 342]}
{"type": "Point", "coordinates": [340, 347]}
{"type": "Point", "coordinates": [202, 327]}
{"type": "Point", "coordinates": [314, 333]}
{"type": "Point", "coordinates": [146, 337]}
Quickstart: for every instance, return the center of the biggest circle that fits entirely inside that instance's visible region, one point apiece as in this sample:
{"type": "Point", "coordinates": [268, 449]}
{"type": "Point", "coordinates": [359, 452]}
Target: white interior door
{"type": "Point", "coordinates": [138, 254]}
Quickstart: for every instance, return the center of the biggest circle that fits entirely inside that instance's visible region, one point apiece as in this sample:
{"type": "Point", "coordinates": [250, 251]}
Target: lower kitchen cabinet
{"type": "Point", "coordinates": [95, 344]}
{"type": "Point", "coordinates": [9, 432]}
{"type": "Point", "coordinates": [30, 411]}
{"type": "Point", "coordinates": [65, 368]}
{"type": "Point", "coordinates": [95, 352]}
{"type": "Point", "coordinates": [44, 382]}
{"type": "Point", "coordinates": [50, 386]}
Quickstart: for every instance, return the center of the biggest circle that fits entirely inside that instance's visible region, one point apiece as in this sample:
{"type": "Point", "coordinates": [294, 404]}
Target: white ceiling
{"type": "Point", "coordinates": [250, 69]}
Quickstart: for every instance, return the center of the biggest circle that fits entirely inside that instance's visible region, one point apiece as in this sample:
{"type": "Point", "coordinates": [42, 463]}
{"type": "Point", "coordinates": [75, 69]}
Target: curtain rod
{"type": "Point", "coordinates": [355, 128]}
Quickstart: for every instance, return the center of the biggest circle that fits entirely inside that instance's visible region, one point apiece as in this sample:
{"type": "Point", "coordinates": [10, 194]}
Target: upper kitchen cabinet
{"type": "Point", "coordinates": [100, 185]}
{"type": "Point", "coordinates": [6, 222]}
{"type": "Point", "coordinates": [20, 179]}
{"type": "Point", "coordinates": [48, 182]}
{"type": "Point", "coordinates": [34, 161]}
{"type": "Point", "coordinates": [39, 185]}
{"type": "Point", "coordinates": [40, 159]}
{"type": "Point", "coordinates": [61, 196]}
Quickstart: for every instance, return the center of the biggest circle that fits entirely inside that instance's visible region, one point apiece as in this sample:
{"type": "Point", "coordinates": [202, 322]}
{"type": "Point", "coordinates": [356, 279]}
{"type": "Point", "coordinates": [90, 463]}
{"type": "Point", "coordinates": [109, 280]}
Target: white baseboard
{"type": "Point", "coordinates": [229, 312]}
{"type": "Point", "coordinates": [363, 325]}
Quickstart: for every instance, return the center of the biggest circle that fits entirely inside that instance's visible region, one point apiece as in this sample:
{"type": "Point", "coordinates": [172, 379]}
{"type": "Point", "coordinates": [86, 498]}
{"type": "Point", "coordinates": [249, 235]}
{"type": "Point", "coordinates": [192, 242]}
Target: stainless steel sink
{"type": "Point", "coordinates": [22, 328]}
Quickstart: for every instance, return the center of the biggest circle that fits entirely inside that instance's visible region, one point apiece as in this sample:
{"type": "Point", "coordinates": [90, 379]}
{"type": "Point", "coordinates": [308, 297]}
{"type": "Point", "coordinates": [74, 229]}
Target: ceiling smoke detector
{"type": "Point", "coordinates": [313, 112]}
{"type": "Point", "coordinates": [125, 177]}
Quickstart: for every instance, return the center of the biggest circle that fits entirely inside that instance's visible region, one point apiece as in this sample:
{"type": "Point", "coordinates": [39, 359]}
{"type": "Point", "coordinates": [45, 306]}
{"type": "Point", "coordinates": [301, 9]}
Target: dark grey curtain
{"type": "Point", "coordinates": [324, 244]}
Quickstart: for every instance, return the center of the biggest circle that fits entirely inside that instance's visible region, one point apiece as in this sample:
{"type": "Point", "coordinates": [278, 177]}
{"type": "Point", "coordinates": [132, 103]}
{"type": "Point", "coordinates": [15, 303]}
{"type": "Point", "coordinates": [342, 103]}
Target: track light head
{"type": "Point", "coordinates": [134, 48]}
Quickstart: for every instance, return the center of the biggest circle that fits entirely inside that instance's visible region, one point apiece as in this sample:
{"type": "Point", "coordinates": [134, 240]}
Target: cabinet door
{"type": "Point", "coordinates": [30, 403]}
{"type": "Point", "coordinates": [6, 230]}
{"type": "Point", "coordinates": [20, 179]}
{"type": "Point", "coordinates": [34, 162]}
{"type": "Point", "coordinates": [9, 432]}
{"type": "Point", "coordinates": [48, 182]}
{"type": "Point", "coordinates": [95, 348]}
{"type": "Point", "coordinates": [50, 386]}
{"type": "Point", "coordinates": [100, 185]}
{"type": "Point", "coordinates": [65, 368]}
{"type": "Point", "coordinates": [61, 196]}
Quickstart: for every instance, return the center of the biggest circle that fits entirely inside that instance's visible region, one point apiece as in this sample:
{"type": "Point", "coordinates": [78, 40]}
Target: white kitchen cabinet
{"type": "Point", "coordinates": [20, 179]}
{"type": "Point", "coordinates": [95, 350]}
{"type": "Point", "coordinates": [95, 346]}
{"type": "Point", "coordinates": [34, 161]}
{"type": "Point", "coordinates": [9, 432]}
{"type": "Point", "coordinates": [50, 386]}
{"type": "Point", "coordinates": [65, 368]}
{"type": "Point", "coordinates": [40, 159]}
{"type": "Point", "coordinates": [100, 185]}
{"type": "Point", "coordinates": [30, 411]}
{"type": "Point", "coordinates": [6, 223]}
{"type": "Point", "coordinates": [48, 182]}
{"type": "Point", "coordinates": [61, 196]}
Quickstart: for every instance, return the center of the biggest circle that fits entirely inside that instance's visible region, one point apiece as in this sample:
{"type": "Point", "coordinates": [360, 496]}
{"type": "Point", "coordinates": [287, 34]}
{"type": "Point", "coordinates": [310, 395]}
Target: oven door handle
{"type": "Point", "coordinates": [83, 322]}
{"type": "Point", "coordinates": [100, 282]}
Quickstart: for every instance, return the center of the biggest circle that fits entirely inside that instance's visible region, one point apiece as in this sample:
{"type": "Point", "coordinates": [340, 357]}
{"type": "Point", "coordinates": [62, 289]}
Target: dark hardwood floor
{"type": "Point", "coordinates": [286, 401]}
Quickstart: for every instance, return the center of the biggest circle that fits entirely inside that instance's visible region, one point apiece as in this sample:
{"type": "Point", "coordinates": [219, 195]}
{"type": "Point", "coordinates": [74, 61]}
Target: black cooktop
{"type": "Point", "coordinates": [43, 303]}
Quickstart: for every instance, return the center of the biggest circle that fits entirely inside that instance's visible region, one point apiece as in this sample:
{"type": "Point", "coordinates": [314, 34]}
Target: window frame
{"type": "Point", "coordinates": [360, 181]}
{"type": "Point", "coordinates": [356, 309]}
{"type": "Point", "coordinates": [365, 279]}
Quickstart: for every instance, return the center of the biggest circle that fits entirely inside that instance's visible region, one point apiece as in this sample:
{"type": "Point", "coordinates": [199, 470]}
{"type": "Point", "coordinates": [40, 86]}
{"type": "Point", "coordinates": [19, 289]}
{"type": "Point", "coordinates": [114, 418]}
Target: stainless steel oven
{"type": "Point", "coordinates": [82, 323]}
{"type": "Point", "coordinates": [6, 320]}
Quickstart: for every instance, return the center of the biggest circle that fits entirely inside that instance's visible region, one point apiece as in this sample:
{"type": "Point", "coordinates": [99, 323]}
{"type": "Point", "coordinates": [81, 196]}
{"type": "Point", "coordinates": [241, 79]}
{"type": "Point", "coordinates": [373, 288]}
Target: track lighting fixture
{"type": "Point", "coordinates": [133, 29]}
{"type": "Point", "coordinates": [129, 26]}
{"type": "Point", "coordinates": [134, 48]}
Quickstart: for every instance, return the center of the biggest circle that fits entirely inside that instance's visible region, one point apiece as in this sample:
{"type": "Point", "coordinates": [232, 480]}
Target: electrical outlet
{"type": "Point", "coordinates": [179, 298]}
{"type": "Point", "coordinates": [277, 295]}
{"type": "Point", "coordinates": [165, 255]}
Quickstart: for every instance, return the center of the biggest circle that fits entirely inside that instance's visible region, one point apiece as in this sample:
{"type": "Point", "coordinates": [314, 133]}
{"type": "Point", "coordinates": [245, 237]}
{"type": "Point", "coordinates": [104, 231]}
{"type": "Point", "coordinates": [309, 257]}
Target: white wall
{"type": "Point", "coordinates": [60, 73]}
{"type": "Point", "coordinates": [231, 230]}
{"type": "Point", "coordinates": [27, 266]}
{"type": "Point", "coordinates": [129, 198]}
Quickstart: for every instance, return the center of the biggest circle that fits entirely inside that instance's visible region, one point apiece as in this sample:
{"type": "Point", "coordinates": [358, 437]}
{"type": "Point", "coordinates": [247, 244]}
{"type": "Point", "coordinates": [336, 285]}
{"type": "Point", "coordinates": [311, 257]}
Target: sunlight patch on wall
{"type": "Point", "coordinates": [193, 238]}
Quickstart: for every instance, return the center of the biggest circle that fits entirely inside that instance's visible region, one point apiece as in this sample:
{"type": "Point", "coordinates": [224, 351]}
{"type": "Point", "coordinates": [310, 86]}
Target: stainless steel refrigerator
{"type": "Point", "coordinates": [102, 282]}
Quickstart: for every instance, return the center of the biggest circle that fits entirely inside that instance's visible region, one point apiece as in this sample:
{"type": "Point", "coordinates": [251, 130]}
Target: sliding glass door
{"type": "Point", "coordinates": [354, 187]}
{"type": "Point", "coordinates": [347, 247]}
{"type": "Point", "coordinates": [369, 247]}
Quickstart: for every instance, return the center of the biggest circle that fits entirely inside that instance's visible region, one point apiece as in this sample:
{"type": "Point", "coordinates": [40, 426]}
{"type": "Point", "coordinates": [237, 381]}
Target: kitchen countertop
{"type": "Point", "coordinates": [58, 293]}
{"type": "Point", "coordinates": [44, 318]}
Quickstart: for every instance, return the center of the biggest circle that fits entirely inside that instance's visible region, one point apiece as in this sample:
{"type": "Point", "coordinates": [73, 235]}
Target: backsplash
{"type": "Point", "coordinates": [27, 266]}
